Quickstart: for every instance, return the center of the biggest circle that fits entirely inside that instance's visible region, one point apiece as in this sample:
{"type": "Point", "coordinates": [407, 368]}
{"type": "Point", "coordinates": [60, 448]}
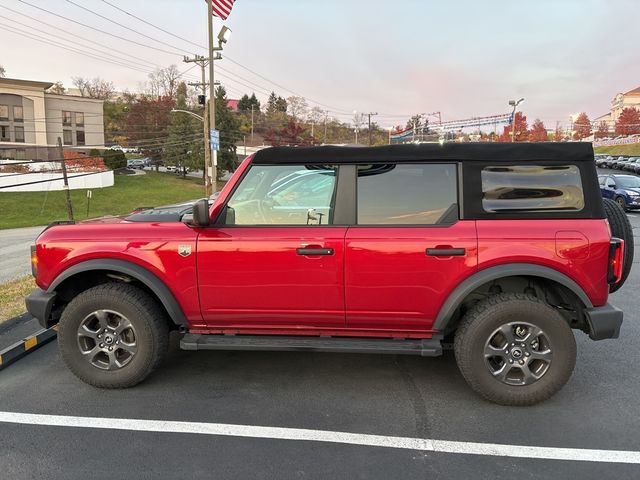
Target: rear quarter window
{"type": "Point", "coordinates": [531, 188]}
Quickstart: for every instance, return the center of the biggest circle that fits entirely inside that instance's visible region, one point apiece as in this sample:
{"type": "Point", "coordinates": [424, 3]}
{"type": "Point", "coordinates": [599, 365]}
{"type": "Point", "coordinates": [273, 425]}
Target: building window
{"type": "Point", "coordinates": [18, 113]}
{"type": "Point", "coordinates": [66, 118]}
{"type": "Point", "coordinates": [19, 133]}
{"type": "Point", "coordinates": [80, 137]}
{"type": "Point", "coordinates": [79, 119]}
{"type": "Point", "coordinates": [4, 133]}
{"type": "Point", "coordinates": [67, 137]}
{"type": "Point", "coordinates": [4, 112]}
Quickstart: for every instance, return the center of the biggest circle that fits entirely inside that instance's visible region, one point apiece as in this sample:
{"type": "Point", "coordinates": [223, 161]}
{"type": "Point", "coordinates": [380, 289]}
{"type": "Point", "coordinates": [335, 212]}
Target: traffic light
{"type": "Point", "coordinates": [202, 100]}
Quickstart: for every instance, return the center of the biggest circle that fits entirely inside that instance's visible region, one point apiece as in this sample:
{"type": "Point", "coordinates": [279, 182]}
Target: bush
{"type": "Point", "coordinates": [114, 159]}
{"type": "Point", "coordinates": [94, 152]}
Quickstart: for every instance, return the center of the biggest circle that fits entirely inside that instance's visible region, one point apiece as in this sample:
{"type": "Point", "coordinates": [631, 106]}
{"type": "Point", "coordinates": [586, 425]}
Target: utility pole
{"type": "Point", "coordinates": [67, 195]}
{"type": "Point", "coordinates": [203, 62]}
{"type": "Point", "coordinates": [252, 106]}
{"type": "Point", "coordinates": [370, 114]}
{"type": "Point", "coordinates": [326, 117]}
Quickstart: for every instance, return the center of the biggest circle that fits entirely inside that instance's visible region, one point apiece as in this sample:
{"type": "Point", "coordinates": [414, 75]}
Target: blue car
{"type": "Point", "coordinates": [623, 189]}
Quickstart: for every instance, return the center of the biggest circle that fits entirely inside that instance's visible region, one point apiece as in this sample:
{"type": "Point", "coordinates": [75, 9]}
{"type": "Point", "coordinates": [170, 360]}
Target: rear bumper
{"type": "Point", "coordinates": [604, 322]}
{"type": "Point", "coordinates": [39, 304]}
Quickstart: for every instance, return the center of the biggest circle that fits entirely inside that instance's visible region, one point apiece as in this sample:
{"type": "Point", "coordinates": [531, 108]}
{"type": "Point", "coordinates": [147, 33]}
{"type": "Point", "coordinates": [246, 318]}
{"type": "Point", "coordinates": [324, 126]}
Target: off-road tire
{"type": "Point", "coordinates": [149, 320]}
{"type": "Point", "coordinates": [484, 318]}
{"type": "Point", "coordinates": [620, 228]}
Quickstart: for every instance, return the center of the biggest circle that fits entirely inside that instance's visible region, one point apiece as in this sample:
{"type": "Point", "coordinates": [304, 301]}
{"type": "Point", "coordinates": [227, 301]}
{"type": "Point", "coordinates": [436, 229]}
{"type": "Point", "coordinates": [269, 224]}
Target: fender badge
{"type": "Point", "coordinates": [184, 250]}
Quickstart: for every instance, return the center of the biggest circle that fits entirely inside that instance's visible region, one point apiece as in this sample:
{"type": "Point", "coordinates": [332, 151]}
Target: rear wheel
{"type": "Point", "coordinates": [621, 202]}
{"type": "Point", "coordinates": [113, 335]}
{"type": "Point", "coordinates": [514, 349]}
{"type": "Point", "coordinates": [620, 228]}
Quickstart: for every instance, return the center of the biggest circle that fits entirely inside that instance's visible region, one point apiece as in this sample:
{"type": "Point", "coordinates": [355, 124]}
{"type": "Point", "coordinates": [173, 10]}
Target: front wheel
{"type": "Point", "coordinates": [113, 335]}
{"type": "Point", "coordinates": [514, 349]}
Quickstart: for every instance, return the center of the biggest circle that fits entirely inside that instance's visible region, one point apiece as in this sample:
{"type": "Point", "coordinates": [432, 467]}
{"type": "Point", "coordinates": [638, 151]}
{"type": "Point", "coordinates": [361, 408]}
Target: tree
{"type": "Point", "coordinates": [294, 134]}
{"type": "Point", "coordinates": [163, 82]}
{"type": "Point", "coordinates": [415, 121]}
{"type": "Point", "coordinates": [57, 88]}
{"type": "Point", "coordinates": [114, 159]}
{"type": "Point", "coordinates": [628, 122]}
{"type": "Point", "coordinates": [558, 135]}
{"type": "Point", "coordinates": [603, 130]}
{"type": "Point", "coordinates": [246, 102]}
{"type": "Point", "coordinates": [3, 72]}
{"type": "Point", "coordinates": [521, 129]}
{"type": "Point", "coordinates": [228, 125]}
{"type": "Point", "coordinates": [297, 107]}
{"type": "Point", "coordinates": [538, 132]}
{"type": "Point", "coordinates": [147, 124]}
{"type": "Point", "coordinates": [581, 127]}
{"type": "Point", "coordinates": [94, 87]}
{"type": "Point", "coordinates": [184, 145]}
{"type": "Point", "coordinates": [314, 117]}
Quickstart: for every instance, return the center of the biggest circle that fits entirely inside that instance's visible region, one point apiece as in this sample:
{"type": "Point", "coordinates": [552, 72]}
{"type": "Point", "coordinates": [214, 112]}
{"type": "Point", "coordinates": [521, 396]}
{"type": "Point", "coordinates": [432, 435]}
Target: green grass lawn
{"type": "Point", "coordinates": [26, 209]}
{"type": "Point", "coordinates": [632, 150]}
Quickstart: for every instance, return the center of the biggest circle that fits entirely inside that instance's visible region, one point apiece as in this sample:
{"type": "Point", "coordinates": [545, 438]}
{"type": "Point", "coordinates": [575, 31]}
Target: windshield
{"type": "Point", "coordinates": [629, 182]}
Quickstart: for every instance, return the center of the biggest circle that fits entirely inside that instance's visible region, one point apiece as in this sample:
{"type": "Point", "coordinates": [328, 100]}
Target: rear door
{"type": "Point", "coordinates": [409, 249]}
{"type": "Point", "coordinates": [278, 261]}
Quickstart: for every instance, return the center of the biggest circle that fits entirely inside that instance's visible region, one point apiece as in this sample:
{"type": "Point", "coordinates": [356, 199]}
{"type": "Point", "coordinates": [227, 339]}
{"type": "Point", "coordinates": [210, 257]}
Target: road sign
{"type": "Point", "coordinates": [214, 139]}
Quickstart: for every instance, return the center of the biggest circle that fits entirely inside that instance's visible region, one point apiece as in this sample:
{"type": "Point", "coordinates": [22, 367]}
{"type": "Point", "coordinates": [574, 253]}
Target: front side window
{"type": "Point", "coordinates": [532, 188]}
{"type": "Point", "coordinates": [411, 194]}
{"type": "Point", "coordinates": [67, 137]}
{"type": "Point", "coordinates": [4, 112]}
{"type": "Point", "coordinates": [19, 133]}
{"type": "Point", "coordinates": [285, 195]}
{"type": "Point", "coordinates": [18, 113]}
{"type": "Point", "coordinates": [79, 119]}
{"type": "Point", "coordinates": [66, 118]}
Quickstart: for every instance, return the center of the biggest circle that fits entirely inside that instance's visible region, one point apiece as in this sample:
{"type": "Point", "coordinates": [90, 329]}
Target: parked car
{"type": "Point", "coordinates": [397, 249]}
{"type": "Point", "coordinates": [136, 163]}
{"type": "Point", "coordinates": [622, 189]}
{"type": "Point", "coordinates": [619, 162]}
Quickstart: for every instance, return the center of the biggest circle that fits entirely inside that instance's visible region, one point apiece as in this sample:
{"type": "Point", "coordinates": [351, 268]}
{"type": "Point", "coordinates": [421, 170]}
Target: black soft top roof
{"type": "Point", "coordinates": [513, 152]}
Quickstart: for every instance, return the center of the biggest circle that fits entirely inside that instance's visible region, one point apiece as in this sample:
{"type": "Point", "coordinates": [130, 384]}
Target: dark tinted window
{"type": "Point", "coordinates": [415, 194]}
{"type": "Point", "coordinates": [532, 188]}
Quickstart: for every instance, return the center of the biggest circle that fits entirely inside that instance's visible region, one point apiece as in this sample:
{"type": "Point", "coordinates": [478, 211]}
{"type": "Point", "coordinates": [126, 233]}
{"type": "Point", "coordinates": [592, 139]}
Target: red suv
{"type": "Point", "coordinates": [497, 249]}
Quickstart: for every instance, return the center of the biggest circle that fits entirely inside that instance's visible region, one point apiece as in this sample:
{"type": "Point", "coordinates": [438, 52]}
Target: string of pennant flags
{"type": "Point", "coordinates": [505, 118]}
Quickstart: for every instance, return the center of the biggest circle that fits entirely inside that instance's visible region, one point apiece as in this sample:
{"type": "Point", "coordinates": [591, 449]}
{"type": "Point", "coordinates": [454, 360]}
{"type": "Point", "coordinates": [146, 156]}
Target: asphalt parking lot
{"type": "Point", "coordinates": [387, 396]}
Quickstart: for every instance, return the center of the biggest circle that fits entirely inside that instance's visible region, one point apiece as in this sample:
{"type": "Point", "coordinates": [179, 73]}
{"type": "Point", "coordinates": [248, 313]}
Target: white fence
{"type": "Point", "coordinates": [47, 182]}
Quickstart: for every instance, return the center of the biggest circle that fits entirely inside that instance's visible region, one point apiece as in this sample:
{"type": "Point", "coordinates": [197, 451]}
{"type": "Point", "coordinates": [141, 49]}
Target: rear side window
{"type": "Point", "coordinates": [410, 194]}
{"type": "Point", "coordinates": [532, 188]}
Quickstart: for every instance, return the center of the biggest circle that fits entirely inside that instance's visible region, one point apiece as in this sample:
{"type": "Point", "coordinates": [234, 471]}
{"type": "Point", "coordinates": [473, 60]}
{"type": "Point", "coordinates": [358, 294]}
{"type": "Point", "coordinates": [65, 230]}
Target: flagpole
{"type": "Point", "coordinates": [213, 176]}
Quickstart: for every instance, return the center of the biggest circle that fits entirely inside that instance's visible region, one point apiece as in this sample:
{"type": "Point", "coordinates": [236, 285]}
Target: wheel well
{"type": "Point", "coordinates": [551, 292]}
{"type": "Point", "coordinates": [82, 281]}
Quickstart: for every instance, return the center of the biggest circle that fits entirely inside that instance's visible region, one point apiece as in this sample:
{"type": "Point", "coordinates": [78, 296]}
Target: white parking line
{"type": "Point", "coordinates": [327, 436]}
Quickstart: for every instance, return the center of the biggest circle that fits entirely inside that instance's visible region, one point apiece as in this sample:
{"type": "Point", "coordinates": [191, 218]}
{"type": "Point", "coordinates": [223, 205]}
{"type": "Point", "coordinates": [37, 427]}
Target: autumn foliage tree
{"type": "Point", "coordinates": [292, 134]}
{"type": "Point", "coordinates": [581, 127]}
{"type": "Point", "coordinates": [603, 130]}
{"type": "Point", "coordinates": [628, 122]}
{"type": "Point", "coordinates": [521, 129]}
{"type": "Point", "coordinates": [147, 124]}
{"type": "Point", "coordinates": [538, 132]}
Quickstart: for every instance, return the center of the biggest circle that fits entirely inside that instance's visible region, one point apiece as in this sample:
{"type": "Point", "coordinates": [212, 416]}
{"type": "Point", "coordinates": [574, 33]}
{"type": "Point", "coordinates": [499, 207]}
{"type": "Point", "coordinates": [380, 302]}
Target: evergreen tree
{"type": "Point", "coordinates": [184, 145]}
{"type": "Point", "coordinates": [244, 104]}
{"type": "Point", "coordinates": [228, 125]}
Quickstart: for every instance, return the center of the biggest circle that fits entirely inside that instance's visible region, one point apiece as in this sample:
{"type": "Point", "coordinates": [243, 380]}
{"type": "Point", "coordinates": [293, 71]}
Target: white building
{"type": "Point", "coordinates": [31, 117]}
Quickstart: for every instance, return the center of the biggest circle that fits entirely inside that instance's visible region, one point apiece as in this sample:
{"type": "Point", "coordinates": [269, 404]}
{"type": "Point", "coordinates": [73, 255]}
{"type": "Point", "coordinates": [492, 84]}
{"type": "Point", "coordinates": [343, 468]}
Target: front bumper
{"type": "Point", "coordinates": [39, 304]}
{"type": "Point", "coordinates": [604, 322]}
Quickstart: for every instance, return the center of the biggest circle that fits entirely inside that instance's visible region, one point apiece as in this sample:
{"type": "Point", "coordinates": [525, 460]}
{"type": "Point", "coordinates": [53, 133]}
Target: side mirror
{"type": "Point", "coordinates": [200, 215]}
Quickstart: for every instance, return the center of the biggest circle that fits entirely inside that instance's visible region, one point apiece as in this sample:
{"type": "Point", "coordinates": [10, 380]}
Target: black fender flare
{"type": "Point", "coordinates": [500, 271]}
{"type": "Point", "coordinates": [144, 276]}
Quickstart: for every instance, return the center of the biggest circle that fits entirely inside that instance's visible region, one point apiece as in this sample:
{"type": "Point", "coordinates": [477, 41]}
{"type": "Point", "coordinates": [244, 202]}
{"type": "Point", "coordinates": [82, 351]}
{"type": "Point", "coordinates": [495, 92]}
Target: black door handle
{"type": "Point", "coordinates": [314, 251]}
{"type": "Point", "coordinates": [445, 252]}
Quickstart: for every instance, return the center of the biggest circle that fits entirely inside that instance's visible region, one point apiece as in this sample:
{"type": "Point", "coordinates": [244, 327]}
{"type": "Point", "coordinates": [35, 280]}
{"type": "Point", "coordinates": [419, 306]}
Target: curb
{"type": "Point", "coordinates": [19, 349]}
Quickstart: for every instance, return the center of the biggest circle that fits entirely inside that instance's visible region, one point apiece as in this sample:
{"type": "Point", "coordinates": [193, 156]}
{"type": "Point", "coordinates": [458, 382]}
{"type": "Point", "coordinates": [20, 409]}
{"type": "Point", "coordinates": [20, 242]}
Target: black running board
{"type": "Point", "coordinates": [423, 347]}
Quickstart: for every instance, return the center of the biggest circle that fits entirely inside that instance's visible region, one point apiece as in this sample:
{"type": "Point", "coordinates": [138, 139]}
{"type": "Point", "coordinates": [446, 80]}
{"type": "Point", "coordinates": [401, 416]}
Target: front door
{"type": "Point", "coordinates": [278, 262]}
{"type": "Point", "coordinates": [408, 250]}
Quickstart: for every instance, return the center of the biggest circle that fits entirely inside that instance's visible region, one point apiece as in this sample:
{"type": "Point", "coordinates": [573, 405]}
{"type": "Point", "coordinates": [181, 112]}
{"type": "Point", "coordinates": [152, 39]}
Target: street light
{"type": "Point", "coordinates": [176, 110]}
{"type": "Point", "coordinates": [224, 35]}
{"type": "Point", "coordinates": [514, 104]}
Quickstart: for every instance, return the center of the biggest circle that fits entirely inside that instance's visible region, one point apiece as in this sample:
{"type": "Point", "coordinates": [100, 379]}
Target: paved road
{"type": "Point", "coordinates": [364, 394]}
{"type": "Point", "coordinates": [14, 251]}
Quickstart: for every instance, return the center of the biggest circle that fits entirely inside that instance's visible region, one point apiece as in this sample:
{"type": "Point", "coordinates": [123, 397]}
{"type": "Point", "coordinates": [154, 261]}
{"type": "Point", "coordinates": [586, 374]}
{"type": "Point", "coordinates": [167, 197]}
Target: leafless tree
{"type": "Point", "coordinates": [297, 107]}
{"type": "Point", "coordinates": [57, 88]}
{"type": "Point", "coordinates": [94, 88]}
{"type": "Point", "coordinates": [2, 71]}
{"type": "Point", "coordinates": [163, 82]}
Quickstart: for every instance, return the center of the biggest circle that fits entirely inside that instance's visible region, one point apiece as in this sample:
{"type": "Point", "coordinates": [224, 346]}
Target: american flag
{"type": "Point", "coordinates": [221, 8]}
